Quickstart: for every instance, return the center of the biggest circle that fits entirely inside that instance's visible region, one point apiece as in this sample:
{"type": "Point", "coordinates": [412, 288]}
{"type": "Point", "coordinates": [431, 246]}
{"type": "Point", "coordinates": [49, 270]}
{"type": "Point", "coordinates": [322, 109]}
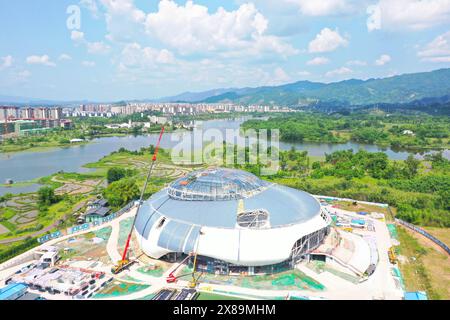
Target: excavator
{"type": "Point", "coordinates": [125, 262]}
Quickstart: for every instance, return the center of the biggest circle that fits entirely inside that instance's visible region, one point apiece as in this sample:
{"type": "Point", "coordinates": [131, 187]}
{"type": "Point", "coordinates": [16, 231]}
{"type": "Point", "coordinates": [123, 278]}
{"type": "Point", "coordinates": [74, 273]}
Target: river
{"type": "Point", "coordinates": [26, 166]}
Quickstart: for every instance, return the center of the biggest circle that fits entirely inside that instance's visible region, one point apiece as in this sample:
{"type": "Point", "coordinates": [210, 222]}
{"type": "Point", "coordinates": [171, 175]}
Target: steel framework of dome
{"type": "Point", "coordinates": [216, 185]}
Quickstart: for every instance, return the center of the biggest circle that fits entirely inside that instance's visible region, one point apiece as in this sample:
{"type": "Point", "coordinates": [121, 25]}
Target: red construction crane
{"type": "Point", "coordinates": [125, 262]}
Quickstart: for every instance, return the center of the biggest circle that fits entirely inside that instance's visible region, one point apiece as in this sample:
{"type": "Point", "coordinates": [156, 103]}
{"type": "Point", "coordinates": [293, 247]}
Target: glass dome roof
{"type": "Point", "coordinates": [216, 184]}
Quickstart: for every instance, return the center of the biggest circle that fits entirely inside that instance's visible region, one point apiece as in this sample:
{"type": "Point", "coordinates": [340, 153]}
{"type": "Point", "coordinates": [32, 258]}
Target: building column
{"type": "Point", "coordinates": [251, 271]}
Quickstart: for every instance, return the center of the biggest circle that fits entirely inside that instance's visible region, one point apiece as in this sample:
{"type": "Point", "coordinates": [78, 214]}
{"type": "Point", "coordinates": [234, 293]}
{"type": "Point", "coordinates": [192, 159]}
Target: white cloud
{"type": "Point", "coordinates": [437, 50]}
{"type": "Point", "coordinates": [88, 64]}
{"type": "Point", "coordinates": [124, 21]}
{"type": "Point", "coordinates": [6, 62]}
{"type": "Point", "coordinates": [192, 29]}
{"type": "Point", "coordinates": [374, 19]}
{"type": "Point", "coordinates": [42, 60]}
{"type": "Point", "coordinates": [77, 36]}
{"type": "Point", "coordinates": [382, 60]}
{"type": "Point", "coordinates": [91, 5]}
{"type": "Point", "coordinates": [327, 40]}
{"type": "Point", "coordinates": [280, 76]}
{"type": "Point", "coordinates": [303, 73]}
{"type": "Point", "coordinates": [98, 47]}
{"type": "Point", "coordinates": [165, 56]}
{"type": "Point", "coordinates": [318, 61]}
{"type": "Point", "coordinates": [323, 7]}
{"type": "Point", "coordinates": [137, 68]}
{"type": "Point", "coordinates": [356, 63]}
{"type": "Point", "coordinates": [134, 55]}
{"type": "Point", "coordinates": [407, 14]}
{"type": "Point", "coordinates": [64, 56]}
{"type": "Point", "coordinates": [339, 72]}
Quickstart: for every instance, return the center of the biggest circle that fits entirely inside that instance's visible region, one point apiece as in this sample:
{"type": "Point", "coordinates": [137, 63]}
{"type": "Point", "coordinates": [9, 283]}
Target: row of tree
{"type": "Point", "coordinates": [395, 130]}
{"type": "Point", "coordinates": [421, 194]}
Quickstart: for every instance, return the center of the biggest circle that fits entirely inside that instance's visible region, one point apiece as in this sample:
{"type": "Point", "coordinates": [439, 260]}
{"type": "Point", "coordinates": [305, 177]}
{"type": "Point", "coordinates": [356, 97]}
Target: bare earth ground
{"type": "Point", "coordinates": [3, 229]}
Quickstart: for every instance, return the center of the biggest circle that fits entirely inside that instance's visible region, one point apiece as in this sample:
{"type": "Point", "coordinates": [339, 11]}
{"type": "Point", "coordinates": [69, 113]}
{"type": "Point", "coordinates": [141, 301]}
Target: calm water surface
{"type": "Point", "coordinates": [25, 166]}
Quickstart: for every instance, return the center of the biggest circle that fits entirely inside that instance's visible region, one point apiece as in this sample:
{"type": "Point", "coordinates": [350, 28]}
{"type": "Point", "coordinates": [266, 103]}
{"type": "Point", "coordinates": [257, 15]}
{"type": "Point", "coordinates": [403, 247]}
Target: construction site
{"type": "Point", "coordinates": [216, 233]}
{"type": "Point", "coordinates": [352, 262]}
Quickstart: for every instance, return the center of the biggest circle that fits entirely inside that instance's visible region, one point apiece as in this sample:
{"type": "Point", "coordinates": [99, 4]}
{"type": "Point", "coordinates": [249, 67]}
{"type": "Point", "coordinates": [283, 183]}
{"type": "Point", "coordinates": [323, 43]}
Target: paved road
{"type": "Point", "coordinates": [111, 246]}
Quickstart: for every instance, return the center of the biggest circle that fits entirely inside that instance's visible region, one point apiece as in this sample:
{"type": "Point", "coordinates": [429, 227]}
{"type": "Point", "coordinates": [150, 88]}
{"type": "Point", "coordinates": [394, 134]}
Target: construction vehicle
{"type": "Point", "coordinates": [392, 256]}
{"type": "Point", "coordinates": [194, 282]}
{"type": "Point", "coordinates": [172, 278]}
{"type": "Point", "coordinates": [125, 262]}
{"type": "Point", "coordinates": [348, 229]}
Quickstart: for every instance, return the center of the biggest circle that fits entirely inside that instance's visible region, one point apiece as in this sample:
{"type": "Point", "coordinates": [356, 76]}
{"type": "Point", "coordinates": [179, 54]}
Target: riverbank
{"type": "Point", "coordinates": [52, 144]}
{"type": "Point", "coordinates": [21, 216]}
{"type": "Point", "coordinates": [411, 133]}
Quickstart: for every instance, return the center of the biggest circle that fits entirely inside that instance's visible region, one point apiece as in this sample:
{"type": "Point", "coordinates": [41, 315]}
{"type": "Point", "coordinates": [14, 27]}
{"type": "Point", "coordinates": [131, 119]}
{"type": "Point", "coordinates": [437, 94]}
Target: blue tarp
{"type": "Point", "coordinates": [13, 291]}
{"type": "Point", "coordinates": [419, 295]}
{"type": "Point", "coordinates": [358, 221]}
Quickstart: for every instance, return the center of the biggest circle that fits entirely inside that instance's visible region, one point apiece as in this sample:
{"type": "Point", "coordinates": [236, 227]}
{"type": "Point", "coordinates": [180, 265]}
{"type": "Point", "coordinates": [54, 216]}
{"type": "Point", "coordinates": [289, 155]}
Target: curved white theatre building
{"type": "Point", "coordinates": [233, 220]}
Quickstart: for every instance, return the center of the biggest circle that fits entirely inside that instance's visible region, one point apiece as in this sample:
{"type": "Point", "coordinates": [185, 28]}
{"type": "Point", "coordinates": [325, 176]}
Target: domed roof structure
{"type": "Point", "coordinates": [216, 185]}
{"type": "Point", "coordinates": [229, 215]}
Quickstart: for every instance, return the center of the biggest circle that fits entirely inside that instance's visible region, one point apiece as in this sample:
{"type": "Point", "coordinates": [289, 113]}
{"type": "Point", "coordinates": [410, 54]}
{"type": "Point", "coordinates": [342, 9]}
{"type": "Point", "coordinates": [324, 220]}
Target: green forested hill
{"type": "Point", "coordinates": [398, 89]}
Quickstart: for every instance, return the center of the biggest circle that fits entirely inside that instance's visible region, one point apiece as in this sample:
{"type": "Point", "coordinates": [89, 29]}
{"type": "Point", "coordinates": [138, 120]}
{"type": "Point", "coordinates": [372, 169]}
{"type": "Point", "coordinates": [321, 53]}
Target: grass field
{"type": "Point", "coordinates": [442, 234]}
{"type": "Point", "coordinates": [424, 268]}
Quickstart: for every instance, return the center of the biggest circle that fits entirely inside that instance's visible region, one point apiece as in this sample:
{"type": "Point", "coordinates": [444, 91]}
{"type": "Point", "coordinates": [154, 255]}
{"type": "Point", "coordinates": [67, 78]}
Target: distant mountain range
{"type": "Point", "coordinates": [410, 89]}
{"type": "Point", "coordinates": [195, 96]}
{"type": "Point", "coordinates": [402, 89]}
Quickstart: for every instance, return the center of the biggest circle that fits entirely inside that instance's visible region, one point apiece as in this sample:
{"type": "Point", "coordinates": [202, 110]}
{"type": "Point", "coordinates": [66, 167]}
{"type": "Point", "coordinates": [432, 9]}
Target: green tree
{"type": "Point", "coordinates": [412, 166]}
{"type": "Point", "coordinates": [316, 165]}
{"type": "Point", "coordinates": [115, 174]}
{"type": "Point", "coordinates": [121, 192]}
{"type": "Point", "coordinates": [6, 197]}
{"type": "Point", "coordinates": [46, 196]}
{"type": "Point", "coordinates": [152, 149]}
{"type": "Point", "coordinates": [137, 130]}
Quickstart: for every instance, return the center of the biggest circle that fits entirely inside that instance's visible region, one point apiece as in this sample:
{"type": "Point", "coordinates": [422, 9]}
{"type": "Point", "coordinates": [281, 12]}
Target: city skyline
{"type": "Point", "coordinates": [149, 49]}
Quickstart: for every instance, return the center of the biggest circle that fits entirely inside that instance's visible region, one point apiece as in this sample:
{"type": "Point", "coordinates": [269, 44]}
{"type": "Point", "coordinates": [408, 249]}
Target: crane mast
{"type": "Point", "coordinates": [125, 262]}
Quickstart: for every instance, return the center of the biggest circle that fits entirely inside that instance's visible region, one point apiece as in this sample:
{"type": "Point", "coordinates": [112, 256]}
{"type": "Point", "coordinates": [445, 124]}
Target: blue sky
{"type": "Point", "coordinates": [125, 49]}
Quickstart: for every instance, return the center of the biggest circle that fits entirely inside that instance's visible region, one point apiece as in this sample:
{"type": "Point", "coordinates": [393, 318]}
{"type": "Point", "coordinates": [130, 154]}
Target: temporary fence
{"type": "Point", "coordinates": [49, 237]}
{"type": "Point", "coordinates": [328, 198]}
{"type": "Point", "coordinates": [86, 226]}
{"type": "Point", "coordinates": [424, 233]}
